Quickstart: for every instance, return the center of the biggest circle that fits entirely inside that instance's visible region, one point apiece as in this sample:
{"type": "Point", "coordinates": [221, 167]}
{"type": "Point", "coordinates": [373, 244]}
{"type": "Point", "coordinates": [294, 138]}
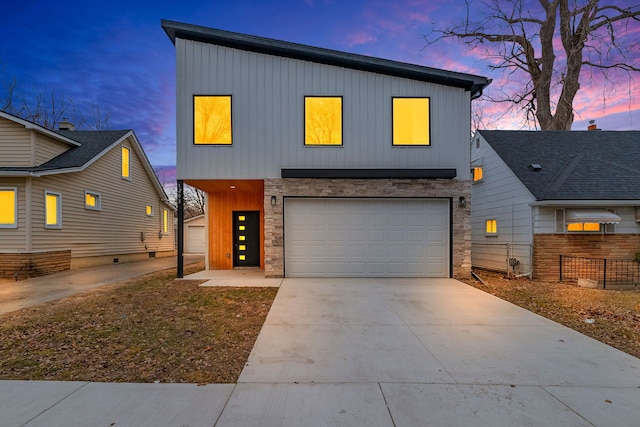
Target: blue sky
{"type": "Point", "coordinates": [115, 54]}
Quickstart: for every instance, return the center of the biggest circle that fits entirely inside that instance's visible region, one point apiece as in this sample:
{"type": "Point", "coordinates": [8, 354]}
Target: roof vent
{"type": "Point", "coordinates": [65, 124]}
{"type": "Point", "coordinates": [535, 167]}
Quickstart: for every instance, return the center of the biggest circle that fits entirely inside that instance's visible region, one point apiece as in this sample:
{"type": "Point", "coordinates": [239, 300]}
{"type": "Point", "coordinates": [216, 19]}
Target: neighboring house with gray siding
{"type": "Point", "coordinates": [571, 193]}
{"type": "Point", "coordinates": [71, 199]}
{"type": "Point", "coordinates": [323, 163]}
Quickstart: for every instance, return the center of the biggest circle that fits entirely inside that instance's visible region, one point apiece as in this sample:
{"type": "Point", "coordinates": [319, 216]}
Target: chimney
{"type": "Point", "coordinates": [65, 124]}
{"type": "Point", "coordinates": [592, 125]}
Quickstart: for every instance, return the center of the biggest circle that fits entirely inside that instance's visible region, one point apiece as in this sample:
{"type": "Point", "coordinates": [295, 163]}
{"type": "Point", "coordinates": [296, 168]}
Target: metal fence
{"type": "Point", "coordinates": [510, 258]}
{"type": "Point", "coordinates": [608, 272]}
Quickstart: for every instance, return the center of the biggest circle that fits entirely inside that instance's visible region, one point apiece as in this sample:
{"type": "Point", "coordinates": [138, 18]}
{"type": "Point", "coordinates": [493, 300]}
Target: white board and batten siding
{"type": "Point", "coordinates": [120, 224]}
{"type": "Point", "coordinates": [360, 237]}
{"type": "Point", "coordinates": [268, 116]}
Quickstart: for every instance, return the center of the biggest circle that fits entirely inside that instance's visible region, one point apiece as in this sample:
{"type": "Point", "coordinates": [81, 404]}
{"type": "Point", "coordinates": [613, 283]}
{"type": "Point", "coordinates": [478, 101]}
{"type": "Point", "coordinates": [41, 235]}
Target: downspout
{"type": "Point", "coordinates": [27, 213]}
{"type": "Point", "coordinates": [180, 268]}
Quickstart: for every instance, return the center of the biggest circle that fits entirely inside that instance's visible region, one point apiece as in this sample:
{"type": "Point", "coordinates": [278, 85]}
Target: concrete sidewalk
{"type": "Point", "coordinates": [25, 293]}
{"type": "Point", "coordinates": [373, 352]}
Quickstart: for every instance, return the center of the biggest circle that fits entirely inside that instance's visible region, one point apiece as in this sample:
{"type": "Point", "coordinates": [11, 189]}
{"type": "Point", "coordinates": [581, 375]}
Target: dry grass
{"type": "Point", "coordinates": [615, 314]}
{"type": "Point", "coordinates": [152, 328]}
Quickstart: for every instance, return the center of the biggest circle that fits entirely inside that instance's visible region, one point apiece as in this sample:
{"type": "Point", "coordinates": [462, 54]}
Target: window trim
{"type": "Point", "coordinates": [97, 196]}
{"type": "Point", "coordinates": [14, 224]}
{"type": "Point", "coordinates": [488, 233]}
{"type": "Point", "coordinates": [193, 112]}
{"type": "Point", "coordinates": [429, 143]}
{"type": "Point", "coordinates": [128, 150]}
{"type": "Point", "coordinates": [603, 228]}
{"type": "Point", "coordinates": [150, 214]}
{"type": "Point", "coordinates": [304, 120]}
{"type": "Point", "coordinates": [58, 224]}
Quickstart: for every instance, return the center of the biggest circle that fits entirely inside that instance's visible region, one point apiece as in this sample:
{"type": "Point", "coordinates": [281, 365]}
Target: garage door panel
{"type": "Point", "coordinates": [367, 237]}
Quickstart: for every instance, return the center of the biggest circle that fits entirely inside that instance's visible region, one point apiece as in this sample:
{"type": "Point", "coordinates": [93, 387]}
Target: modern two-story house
{"type": "Point", "coordinates": [322, 163]}
{"type": "Point", "coordinates": [72, 198]}
{"type": "Point", "coordinates": [561, 193]}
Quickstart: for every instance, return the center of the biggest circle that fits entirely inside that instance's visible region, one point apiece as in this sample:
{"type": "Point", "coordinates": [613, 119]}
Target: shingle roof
{"type": "Point", "coordinates": [576, 165]}
{"type": "Point", "coordinates": [469, 82]}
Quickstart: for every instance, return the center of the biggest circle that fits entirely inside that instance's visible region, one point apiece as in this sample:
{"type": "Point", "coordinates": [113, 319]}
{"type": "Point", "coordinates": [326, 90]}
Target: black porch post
{"type": "Point", "coordinates": [180, 272]}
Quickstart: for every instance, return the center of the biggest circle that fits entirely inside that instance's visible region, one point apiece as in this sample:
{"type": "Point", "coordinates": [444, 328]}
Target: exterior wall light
{"type": "Point", "coordinates": [463, 201]}
{"type": "Point", "coordinates": [273, 200]}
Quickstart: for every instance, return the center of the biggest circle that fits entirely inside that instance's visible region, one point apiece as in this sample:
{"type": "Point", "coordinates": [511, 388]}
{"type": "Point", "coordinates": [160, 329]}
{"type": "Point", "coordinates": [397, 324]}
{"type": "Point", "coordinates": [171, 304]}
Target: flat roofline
{"type": "Point", "coordinates": [369, 173]}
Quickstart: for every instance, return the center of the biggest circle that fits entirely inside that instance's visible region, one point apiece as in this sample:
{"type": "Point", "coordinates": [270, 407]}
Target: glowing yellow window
{"type": "Point", "coordinates": [411, 121]}
{"type": "Point", "coordinates": [241, 227]}
{"type": "Point", "coordinates": [583, 226]}
{"type": "Point", "coordinates": [491, 226]}
{"type": "Point", "coordinates": [322, 120]}
{"type": "Point", "coordinates": [242, 247]}
{"type": "Point", "coordinates": [242, 257]}
{"type": "Point", "coordinates": [126, 162]}
{"type": "Point", "coordinates": [149, 210]}
{"type": "Point", "coordinates": [477, 173]}
{"type": "Point", "coordinates": [241, 238]}
{"type": "Point", "coordinates": [212, 120]}
{"type": "Point", "coordinates": [8, 207]}
{"type": "Point", "coordinates": [165, 221]}
{"type": "Point", "coordinates": [92, 201]}
{"type": "Point", "coordinates": [52, 210]}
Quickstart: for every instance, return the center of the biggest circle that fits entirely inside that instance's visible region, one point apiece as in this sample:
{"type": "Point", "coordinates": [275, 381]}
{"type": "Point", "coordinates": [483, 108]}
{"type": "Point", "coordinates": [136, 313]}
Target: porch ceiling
{"type": "Point", "coordinates": [227, 185]}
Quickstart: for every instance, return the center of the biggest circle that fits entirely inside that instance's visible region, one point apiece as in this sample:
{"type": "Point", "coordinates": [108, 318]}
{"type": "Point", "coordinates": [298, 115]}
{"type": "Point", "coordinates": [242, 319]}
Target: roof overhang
{"type": "Point", "coordinates": [599, 216]}
{"type": "Point", "coordinates": [473, 83]}
{"type": "Point", "coordinates": [584, 203]}
{"type": "Point", "coordinates": [369, 173]}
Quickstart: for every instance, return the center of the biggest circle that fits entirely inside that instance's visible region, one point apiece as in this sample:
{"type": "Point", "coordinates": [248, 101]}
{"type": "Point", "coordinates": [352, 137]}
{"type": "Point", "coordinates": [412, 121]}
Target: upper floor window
{"type": "Point", "coordinates": [52, 209]}
{"type": "Point", "coordinates": [126, 162]}
{"type": "Point", "coordinates": [149, 210]}
{"type": "Point", "coordinates": [411, 121]}
{"type": "Point", "coordinates": [491, 227]}
{"type": "Point", "coordinates": [477, 173]}
{"type": "Point", "coordinates": [322, 120]}
{"type": "Point", "coordinates": [8, 207]}
{"type": "Point", "coordinates": [92, 201]}
{"type": "Point", "coordinates": [212, 119]}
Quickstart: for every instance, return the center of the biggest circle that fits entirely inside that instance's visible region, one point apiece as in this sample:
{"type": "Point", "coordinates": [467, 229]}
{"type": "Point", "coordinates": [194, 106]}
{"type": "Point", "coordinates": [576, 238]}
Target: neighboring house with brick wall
{"type": "Point", "coordinates": [322, 163]}
{"type": "Point", "coordinates": [71, 198]}
{"type": "Point", "coordinates": [573, 193]}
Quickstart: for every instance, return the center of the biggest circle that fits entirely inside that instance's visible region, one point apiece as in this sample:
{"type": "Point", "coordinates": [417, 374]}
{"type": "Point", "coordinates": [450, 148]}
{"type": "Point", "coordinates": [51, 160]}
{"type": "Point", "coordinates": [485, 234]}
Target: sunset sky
{"type": "Point", "coordinates": [114, 53]}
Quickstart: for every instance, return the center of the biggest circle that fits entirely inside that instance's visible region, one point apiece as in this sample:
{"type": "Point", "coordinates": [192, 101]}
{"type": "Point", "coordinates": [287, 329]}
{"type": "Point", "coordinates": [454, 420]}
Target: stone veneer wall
{"type": "Point", "coordinates": [32, 264]}
{"type": "Point", "coordinates": [547, 249]}
{"type": "Point", "coordinates": [424, 188]}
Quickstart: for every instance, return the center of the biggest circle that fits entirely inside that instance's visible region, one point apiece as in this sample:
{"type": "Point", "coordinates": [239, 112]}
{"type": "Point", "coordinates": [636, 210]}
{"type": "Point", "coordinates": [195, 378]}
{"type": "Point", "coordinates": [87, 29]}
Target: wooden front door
{"type": "Point", "coordinates": [246, 238]}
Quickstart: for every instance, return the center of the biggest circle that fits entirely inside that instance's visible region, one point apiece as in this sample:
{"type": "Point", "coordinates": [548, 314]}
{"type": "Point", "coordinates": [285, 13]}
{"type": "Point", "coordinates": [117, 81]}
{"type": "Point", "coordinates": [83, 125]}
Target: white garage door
{"type": "Point", "coordinates": [366, 237]}
{"type": "Point", "coordinates": [195, 239]}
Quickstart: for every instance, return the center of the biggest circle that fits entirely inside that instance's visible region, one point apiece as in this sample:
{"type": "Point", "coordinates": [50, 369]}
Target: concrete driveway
{"type": "Point", "coordinates": [374, 352]}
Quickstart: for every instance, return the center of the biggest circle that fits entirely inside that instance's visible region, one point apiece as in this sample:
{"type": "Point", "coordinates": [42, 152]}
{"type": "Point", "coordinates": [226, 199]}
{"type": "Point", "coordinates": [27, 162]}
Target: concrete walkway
{"type": "Point", "coordinates": [24, 293]}
{"type": "Point", "coordinates": [373, 352]}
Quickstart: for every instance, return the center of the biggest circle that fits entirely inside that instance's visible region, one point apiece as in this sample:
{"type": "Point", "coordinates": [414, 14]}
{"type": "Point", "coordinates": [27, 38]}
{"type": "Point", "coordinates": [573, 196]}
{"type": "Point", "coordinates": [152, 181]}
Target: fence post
{"type": "Point", "coordinates": [604, 281]}
{"type": "Point", "coordinates": [561, 268]}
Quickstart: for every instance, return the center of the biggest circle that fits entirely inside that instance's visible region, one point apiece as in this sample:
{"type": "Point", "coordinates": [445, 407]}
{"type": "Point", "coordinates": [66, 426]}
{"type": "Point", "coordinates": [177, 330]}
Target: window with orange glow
{"type": "Point", "coordinates": [491, 226]}
{"type": "Point", "coordinates": [411, 121]}
{"type": "Point", "coordinates": [126, 162]}
{"type": "Point", "coordinates": [149, 210]}
{"type": "Point", "coordinates": [8, 207]}
{"type": "Point", "coordinates": [477, 173]}
{"type": "Point", "coordinates": [212, 120]}
{"type": "Point", "coordinates": [583, 226]}
{"type": "Point", "coordinates": [52, 210]}
{"type": "Point", "coordinates": [322, 120]}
